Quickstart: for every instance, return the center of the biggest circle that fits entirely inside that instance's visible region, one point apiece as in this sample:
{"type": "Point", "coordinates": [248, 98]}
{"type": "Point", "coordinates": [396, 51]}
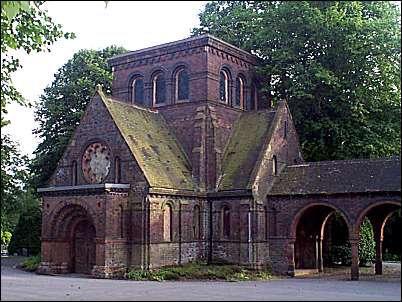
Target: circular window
{"type": "Point", "coordinates": [96, 162]}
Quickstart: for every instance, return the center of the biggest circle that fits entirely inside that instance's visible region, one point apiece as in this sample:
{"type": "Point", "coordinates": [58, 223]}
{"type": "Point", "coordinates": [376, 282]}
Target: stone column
{"type": "Point", "coordinates": [319, 257]}
{"type": "Point", "coordinates": [355, 259]}
{"type": "Point", "coordinates": [378, 250]}
{"type": "Point", "coordinates": [291, 257]}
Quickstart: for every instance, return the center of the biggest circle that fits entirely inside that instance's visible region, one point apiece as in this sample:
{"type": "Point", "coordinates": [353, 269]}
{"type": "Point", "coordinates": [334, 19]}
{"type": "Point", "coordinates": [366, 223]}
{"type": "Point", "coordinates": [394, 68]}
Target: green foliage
{"type": "Point", "coordinates": [62, 105]}
{"type": "Point", "coordinates": [336, 62]}
{"type": "Point", "coordinates": [5, 238]}
{"type": "Point", "coordinates": [366, 243]}
{"type": "Point", "coordinates": [13, 179]}
{"type": "Point", "coordinates": [198, 271]}
{"type": "Point", "coordinates": [27, 232]}
{"type": "Point", "coordinates": [340, 252]}
{"type": "Point", "coordinates": [24, 26]}
{"type": "Point", "coordinates": [31, 264]}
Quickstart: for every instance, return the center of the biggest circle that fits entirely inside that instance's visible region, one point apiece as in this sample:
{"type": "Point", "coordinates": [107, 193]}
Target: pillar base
{"type": "Point", "coordinates": [48, 268]}
{"type": "Point", "coordinates": [109, 272]}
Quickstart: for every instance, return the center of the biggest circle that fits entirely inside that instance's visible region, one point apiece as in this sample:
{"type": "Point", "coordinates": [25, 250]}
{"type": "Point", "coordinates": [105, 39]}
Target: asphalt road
{"type": "Point", "coordinates": [20, 285]}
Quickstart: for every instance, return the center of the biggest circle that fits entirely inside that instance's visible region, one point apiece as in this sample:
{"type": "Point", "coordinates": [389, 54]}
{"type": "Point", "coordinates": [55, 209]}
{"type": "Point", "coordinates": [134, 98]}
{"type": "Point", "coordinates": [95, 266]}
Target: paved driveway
{"type": "Point", "coordinates": [19, 285]}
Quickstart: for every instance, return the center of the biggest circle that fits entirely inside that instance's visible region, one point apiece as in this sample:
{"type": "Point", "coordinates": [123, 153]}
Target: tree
{"type": "Point", "coordinates": [336, 62]}
{"type": "Point", "coordinates": [14, 175]}
{"type": "Point", "coordinates": [24, 26]}
{"type": "Point", "coordinates": [27, 232]}
{"type": "Point", "coordinates": [63, 103]}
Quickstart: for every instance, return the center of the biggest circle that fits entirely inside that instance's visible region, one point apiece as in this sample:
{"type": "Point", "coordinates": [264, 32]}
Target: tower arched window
{"type": "Point", "coordinates": [74, 173]}
{"type": "Point", "coordinates": [158, 89]}
{"type": "Point", "coordinates": [254, 97]}
{"type": "Point", "coordinates": [137, 91]}
{"type": "Point", "coordinates": [240, 92]}
{"type": "Point", "coordinates": [197, 222]}
{"type": "Point", "coordinates": [167, 223]}
{"type": "Point", "coordinates": [225, 222]}
{"type": "Point", "coordinates": [224, 86]}
{"type": "Point", "coordinates": [274, 165]}
{"type": "Point", "coordinates": [117, 170]}
{"type": "Point", "coordinates": [182, 85]}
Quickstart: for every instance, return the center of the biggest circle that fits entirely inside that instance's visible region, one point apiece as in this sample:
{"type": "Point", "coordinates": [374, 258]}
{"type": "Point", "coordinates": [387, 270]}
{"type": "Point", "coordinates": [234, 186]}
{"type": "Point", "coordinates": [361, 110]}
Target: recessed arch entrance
{"type": "Point", "coordinates": [309, 230]}
{"type": "Point", "coordinates": [74, 227]}
{"type": "Point", "coordinates": [378, 214]}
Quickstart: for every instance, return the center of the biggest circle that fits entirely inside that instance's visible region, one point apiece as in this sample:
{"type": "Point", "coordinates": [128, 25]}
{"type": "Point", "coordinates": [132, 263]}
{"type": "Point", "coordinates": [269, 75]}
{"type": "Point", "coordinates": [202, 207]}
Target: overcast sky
{"type": "Point", "coordinates": [133, 25]}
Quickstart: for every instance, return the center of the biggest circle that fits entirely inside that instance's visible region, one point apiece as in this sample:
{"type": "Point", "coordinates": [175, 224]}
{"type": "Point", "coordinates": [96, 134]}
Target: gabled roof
{"type": "Point", "coordinates": [343, 176]}
{"type": "Point", "coordinates": [244, 146]}
{"type": "Point", "coordinates": [154, 147]}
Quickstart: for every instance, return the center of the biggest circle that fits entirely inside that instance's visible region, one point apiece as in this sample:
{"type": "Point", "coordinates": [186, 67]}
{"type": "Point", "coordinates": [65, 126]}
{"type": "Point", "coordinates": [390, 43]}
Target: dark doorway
{"type": "Point", "coordinates": [84, 247]}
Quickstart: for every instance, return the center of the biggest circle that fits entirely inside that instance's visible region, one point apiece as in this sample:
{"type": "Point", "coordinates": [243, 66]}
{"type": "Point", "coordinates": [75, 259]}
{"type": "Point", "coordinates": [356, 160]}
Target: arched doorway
{"type": "Point", "coordinates": [378, 214]}
{"type": "Point", "coordinates": [84, 248]}
{"type": "Point", "coordinates": [74, 233]}
{"type": "Point", "coordinates": [310, 230]}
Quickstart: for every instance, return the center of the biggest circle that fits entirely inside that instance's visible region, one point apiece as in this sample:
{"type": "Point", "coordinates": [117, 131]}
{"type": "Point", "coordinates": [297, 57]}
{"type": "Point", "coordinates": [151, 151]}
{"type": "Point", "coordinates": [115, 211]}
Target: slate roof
{"type": "Point", "coordinates": [156, 150]}
{"type": "Point", "coordinates": [240, 156]}
{"type": "Point", "coordinates": [346, 176]}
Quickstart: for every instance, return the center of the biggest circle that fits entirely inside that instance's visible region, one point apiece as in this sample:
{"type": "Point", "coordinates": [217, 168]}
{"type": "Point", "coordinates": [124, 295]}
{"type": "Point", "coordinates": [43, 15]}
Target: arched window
{"type": "Point", "coordinates": [224, 86]}
{"type": "Point", "coordinates": [285, 129]}
{"type": "Point", "coordinates": [74, 173]}
{"type": "Point", "coordinates": [182, 85]}
{"type": "Point", "coordinates": [117, 170]}
{"type": "Point", "coordinates": [254, 97]}
{"type": "Point", "coordinates": [167, 223]}
{"type": "Point", "coordinates": [225, 222]}
{"type": "Point", "coordinates": [137, 91]}
{"type": "Point", "coordinates": [197, 222]}
{"type": "Point", "coordinates": [158, 89]}
{"type": "Point", "coordinates": [274, 165]}
{"type": "Point", "coordinates": [240, 93]}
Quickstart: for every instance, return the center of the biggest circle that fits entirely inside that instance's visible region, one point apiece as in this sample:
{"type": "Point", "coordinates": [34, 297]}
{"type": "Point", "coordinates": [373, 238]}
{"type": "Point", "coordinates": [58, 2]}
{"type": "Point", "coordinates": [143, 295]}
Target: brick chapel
{"type": "Point", "coordinates": [187, 161]}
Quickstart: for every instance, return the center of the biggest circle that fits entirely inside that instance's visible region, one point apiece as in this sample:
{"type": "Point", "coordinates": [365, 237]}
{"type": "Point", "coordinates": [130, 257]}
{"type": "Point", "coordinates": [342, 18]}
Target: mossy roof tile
{"type": "Point", "coordinates": [156, 150]}
{"type": "Point", "coordinates": [245, 144]}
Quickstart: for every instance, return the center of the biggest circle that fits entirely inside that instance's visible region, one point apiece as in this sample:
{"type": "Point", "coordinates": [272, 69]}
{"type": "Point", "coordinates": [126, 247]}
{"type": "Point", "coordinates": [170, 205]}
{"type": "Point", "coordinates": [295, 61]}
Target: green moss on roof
{"type": "Point", "coordinates": [156, 150]}
{"type": "Point", "coordinates": [243, 148]}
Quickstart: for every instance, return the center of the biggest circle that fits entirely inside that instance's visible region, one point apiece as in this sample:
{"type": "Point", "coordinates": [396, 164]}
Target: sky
{"type": "Point", "coordinates": [131, 24]}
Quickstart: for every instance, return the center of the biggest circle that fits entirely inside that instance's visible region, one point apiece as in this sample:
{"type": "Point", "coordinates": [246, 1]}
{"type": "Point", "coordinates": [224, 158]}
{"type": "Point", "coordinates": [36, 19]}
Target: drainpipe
{"type": "Point", "coordinates": [249, 235]}
{"type": "Point", "coordinates": [210, 233]}
{"type": "Point", "coordinates": [180, 233]}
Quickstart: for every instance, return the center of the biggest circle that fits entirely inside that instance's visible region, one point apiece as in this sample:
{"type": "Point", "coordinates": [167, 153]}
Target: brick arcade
{"type": "Point", "coordinates": [188, 161]}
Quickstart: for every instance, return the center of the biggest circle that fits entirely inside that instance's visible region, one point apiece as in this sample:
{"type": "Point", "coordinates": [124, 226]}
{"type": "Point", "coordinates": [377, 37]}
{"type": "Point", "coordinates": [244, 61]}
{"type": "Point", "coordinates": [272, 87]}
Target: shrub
{"type": "Point", "coordinates": [31, 264]}
{"type": "Point", "coordinates": [27, 232]}
{"type": "Point", "coordinates": [366, 243]}
{"type": "Point", "coordinates": [200, 271]}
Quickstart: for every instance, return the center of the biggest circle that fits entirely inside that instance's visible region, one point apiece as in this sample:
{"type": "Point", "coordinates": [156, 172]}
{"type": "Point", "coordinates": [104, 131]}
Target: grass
{"type": "Point", "coordinates": [200, 271]}
{"type": "Point", "coordinates": [31, 264]}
